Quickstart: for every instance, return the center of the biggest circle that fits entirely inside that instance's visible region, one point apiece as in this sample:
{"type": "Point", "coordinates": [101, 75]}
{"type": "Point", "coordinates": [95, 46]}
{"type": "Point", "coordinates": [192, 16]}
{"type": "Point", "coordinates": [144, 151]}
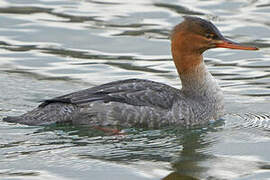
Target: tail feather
{"type": "Point", "coordinates": [28, 120]}
{"type": "Point", "coordinates": [12, 119]}
{"type": "Point", "coordinates": [50, 114]}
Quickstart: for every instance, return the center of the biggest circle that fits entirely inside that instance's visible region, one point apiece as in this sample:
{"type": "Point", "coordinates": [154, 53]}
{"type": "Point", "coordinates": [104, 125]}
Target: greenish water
{"type": "Point", "coordinates": [52, 47]}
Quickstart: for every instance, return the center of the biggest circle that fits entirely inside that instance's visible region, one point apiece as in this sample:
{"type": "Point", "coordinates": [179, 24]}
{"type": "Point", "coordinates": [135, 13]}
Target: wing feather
{"type": "Point", "coordinates": [132, 91]}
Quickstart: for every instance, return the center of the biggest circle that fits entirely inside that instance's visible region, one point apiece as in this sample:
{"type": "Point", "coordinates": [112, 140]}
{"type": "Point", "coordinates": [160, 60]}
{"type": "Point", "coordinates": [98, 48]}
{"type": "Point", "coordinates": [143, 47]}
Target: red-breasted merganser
{"type": "Point", "coordinates": [144, 103]}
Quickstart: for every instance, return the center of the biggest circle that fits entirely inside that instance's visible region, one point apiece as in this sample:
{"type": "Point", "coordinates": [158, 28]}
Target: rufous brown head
{"type": "Point", "coordinates": [198, 35]}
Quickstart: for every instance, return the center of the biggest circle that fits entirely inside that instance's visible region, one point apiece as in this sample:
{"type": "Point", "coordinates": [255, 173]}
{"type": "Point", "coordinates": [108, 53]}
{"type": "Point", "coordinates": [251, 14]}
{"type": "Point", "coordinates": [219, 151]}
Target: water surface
{"type": "Point", "coordinates": [52, 47]}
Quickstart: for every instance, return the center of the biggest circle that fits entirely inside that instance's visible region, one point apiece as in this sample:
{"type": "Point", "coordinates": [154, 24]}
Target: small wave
{"type": "Point", "coordinates": [258, 120]}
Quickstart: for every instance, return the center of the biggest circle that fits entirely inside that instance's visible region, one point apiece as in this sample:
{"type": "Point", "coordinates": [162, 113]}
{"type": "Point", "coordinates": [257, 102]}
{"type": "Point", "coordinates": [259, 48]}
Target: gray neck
{"type": "Point", "coordinates": [199, 82]}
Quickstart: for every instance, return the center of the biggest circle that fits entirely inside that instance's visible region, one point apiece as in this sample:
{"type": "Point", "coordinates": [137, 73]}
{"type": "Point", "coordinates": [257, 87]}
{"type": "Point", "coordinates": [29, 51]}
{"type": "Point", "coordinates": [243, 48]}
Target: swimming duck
{"type": "Point", "coordinates": [145, 103]}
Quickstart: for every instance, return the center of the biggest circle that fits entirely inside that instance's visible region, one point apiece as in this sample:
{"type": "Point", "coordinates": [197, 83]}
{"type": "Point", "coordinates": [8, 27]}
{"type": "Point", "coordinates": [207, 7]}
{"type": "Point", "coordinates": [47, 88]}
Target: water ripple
{"type": "Point", "coordinates": [49, 48]}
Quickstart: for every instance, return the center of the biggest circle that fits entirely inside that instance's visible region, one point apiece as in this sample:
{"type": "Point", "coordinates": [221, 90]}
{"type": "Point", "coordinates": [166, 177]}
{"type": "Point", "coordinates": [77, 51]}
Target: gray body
{"type": "Point", "coordinates": [133, 103]}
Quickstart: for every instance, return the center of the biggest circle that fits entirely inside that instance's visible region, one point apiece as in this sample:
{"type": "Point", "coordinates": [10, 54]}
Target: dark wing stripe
{"type": "Point", "coordinates": [49, 101]}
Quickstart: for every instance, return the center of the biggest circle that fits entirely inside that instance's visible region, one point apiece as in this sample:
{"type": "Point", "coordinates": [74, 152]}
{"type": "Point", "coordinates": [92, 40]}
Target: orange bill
{"type": "Point", "coordinates": [233, 45]}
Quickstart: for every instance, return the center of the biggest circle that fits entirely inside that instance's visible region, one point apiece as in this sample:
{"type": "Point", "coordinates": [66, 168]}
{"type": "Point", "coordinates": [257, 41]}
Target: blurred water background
{"type": "Point", "coordinates": [52, 47]}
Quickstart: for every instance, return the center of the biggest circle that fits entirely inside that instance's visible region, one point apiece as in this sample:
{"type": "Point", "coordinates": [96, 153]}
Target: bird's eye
{"type": "Point", "coordinates": [209, 36]}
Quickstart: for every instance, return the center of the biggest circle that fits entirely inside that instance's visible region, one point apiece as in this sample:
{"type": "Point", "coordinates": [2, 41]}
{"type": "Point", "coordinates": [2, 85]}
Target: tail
{"type": "Point", "coordinates": [12, 119]}
{"type": "Point", "coordinates": [28, 120]}
{"type": "Point", "coordinates": [50, 114]}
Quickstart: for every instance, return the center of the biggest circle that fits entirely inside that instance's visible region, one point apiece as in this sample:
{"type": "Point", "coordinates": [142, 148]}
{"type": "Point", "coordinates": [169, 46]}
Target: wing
{"type": "Point", "coordinates": [132, 91]}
